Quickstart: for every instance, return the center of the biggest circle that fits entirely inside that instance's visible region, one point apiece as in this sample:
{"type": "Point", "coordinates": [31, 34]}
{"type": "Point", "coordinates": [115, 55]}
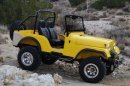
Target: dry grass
{"type": "Point", "coordinates": [0, 51]}
{"type": "Point", "coordinates": [3, 40]}
{"type": "Point", "coordinates": [127, 41]}
{"type": "Point", "coordinates": [127, 51]}
{"type": "Point", "coordinates": [122, 36]}
{"type": "Point", "coordinates": [3, 30]}
{"type": "Point", "coordinates": [1, 60]}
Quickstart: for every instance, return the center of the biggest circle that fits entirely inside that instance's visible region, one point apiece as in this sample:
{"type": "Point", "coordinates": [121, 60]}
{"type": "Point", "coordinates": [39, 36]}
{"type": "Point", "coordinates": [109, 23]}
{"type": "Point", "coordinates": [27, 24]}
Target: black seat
{"type": "Point", "coordinates": [43, 30]}
{"type": "Point", "coordinates": [54, 39]}
{"type": "Point", "coordinates": [50, 34]}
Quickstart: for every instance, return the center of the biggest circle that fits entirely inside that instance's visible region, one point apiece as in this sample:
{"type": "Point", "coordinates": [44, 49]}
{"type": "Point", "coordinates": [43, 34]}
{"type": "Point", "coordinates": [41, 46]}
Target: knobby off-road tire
{"type": "Point", "coordinates": [110, 69]}
{"type": "Point", "coordinates": [29, 58]}
{"type": "Point", "coordinates": [92, 70]}
{"type": "Point", "coordinates": [15, 26]}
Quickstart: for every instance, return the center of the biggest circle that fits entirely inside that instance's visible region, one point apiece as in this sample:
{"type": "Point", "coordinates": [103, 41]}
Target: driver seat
{"type": "Point", "coordinates": [50, 33]}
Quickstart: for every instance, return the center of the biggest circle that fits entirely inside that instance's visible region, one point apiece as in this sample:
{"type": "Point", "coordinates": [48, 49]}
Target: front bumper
{"type": "Point", "coordinates": [115, 59]}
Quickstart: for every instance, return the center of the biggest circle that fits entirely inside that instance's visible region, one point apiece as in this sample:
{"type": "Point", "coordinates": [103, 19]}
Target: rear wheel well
{"type": "Point", "coordinates": [29, 41]}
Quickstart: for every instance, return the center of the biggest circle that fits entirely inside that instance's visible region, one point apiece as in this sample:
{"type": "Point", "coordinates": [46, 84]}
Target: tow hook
{"type": "Point", "coordinates": [115, 61]}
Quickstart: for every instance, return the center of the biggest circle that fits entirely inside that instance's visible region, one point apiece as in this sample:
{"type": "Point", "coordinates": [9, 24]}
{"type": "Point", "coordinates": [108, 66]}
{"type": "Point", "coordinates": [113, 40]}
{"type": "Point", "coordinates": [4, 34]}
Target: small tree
{"type": "Point", "coordinates": [76, 2]}
{"type": "Point", "coordinates": [11, 10]}
{"type": "Point", "coordinates": [99, 4]}
{"type": "Point", "coordinates": [89, 3]}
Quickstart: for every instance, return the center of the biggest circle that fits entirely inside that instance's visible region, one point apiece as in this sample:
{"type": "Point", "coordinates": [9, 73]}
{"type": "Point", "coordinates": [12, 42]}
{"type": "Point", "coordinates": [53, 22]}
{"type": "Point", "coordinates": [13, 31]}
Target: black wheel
{"type": "Point", "coordinates": [49, 60]}
{"type": "Point", "coordinates": [29, 58]}
{"type": "Point", "coordinates": [92, 70]}
{"type": "Point", "coordinates": [109, 69]}
{"type": "Point", "coordinates": [15, 26]}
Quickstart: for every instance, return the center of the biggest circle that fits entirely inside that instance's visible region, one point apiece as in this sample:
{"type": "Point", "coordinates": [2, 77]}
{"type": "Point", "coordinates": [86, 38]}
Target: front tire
{"type": "Point", "coordinates": [92, 70]}
{"type": "Point", "coordinates": [110, 68]}
{"type": "Point", "coordinates": [29, 58]}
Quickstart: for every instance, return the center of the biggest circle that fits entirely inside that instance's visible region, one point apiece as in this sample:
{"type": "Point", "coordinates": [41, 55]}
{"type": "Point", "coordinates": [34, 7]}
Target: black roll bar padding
{"type": "Point", "coordinates": [83, 24]}
{"type": "Point", "coordinates": [36, 17]}
{"type": "Point", "coordinates": [37, 13]}
{"type": "Point", "coordinates": [35, 26]}
{"type": "Point", "coordinates": [26, 19]}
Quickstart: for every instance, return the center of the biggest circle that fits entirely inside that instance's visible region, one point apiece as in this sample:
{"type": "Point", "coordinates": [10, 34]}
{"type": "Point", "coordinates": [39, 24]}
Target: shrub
{"type": "Point", "coordinates": [76, 2]}
{"type": "Point", "coordinates": [11, 10]}
{"type": "Point", "coordinates": [99, 4]}
{"type": "Point", "coordinates": [3, 30]}
{"type": "Point", "coordinates": [0, 51]}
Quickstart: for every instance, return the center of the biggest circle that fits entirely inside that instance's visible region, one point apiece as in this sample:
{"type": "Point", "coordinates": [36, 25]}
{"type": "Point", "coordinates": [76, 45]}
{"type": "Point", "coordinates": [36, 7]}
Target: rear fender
{"type": "Point", "coordinates": [32, 39]}
{"type": "Point", "coordinates": [40, 41]}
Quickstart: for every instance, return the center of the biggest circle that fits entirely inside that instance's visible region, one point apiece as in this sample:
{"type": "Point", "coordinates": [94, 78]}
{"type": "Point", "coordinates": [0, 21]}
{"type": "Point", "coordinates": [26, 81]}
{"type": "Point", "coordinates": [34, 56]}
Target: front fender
{"type": "Point", "coordinates": [83, 54]}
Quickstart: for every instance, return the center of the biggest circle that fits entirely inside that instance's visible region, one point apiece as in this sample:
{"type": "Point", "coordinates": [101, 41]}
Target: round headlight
{"type": "Point", "coordinates": [108, 46]}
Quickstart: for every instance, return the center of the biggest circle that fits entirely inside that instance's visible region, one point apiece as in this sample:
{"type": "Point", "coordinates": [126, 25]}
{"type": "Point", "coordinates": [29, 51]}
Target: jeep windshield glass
{"type": "Point", "coordinates": [74, 23]}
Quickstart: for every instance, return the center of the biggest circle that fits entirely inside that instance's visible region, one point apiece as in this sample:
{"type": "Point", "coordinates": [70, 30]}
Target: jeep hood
{"type": "Point", "coordinates": [94, 41]}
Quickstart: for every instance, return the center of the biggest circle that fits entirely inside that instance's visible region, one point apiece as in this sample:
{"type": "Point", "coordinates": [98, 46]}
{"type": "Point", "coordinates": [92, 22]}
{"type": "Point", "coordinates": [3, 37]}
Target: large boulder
{"type": "Point", "coordinates": [13, 76]}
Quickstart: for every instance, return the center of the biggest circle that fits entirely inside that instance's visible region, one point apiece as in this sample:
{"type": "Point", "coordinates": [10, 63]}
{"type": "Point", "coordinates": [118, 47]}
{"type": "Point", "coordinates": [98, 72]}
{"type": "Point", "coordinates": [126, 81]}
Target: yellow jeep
{"type": "Point", "coordinates": [97, 57]}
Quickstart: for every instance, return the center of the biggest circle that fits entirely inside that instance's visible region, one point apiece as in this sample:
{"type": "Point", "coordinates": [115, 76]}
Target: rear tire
{"type": "Point", "coordinates": [29, 58]}
{"type": "Point", "coordinates": [92, 70]}
{"type": "Point", "coordinates": [15, 26]}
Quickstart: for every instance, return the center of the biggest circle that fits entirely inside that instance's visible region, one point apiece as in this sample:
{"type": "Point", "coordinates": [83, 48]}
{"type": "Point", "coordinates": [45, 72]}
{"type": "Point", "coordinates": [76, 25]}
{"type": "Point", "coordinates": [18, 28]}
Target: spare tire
{"type": "Point", "coordinates": [15, 26]}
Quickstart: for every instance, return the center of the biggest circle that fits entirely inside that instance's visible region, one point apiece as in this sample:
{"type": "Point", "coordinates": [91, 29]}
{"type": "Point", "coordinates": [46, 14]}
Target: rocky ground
{"type": "Point", "coordinates": [68, 73]}
{"type": "Point", "coordinates": [13, 76]}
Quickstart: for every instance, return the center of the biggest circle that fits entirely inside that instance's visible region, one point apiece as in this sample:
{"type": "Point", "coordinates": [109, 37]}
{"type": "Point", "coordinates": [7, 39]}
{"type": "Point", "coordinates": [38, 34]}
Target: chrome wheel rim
{"type": "Point", "coordinates": [27, 58]}
{"type": "Point", "coordinates": [91, 70]}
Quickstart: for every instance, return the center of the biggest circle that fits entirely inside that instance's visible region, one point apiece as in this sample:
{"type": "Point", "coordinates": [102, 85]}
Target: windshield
{"type": "Point", "coordinates": [74, 24]}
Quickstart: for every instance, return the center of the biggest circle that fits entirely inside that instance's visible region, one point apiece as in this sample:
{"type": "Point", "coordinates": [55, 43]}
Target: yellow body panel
{"type": "Point", "coordinates": [74, 43]}
{"type": "Point", "coordinates": [117, 50]}
{"type": "Point", "coordinates": [43, 41]}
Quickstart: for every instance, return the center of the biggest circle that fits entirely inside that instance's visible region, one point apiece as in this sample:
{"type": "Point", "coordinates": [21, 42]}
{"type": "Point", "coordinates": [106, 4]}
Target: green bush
{"type": "Point", "coordinates": [11, 10]}
{"type": "Point", "coordinates": [76, 2]}
{"type": "Point", "coordinates": [99, 4]}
